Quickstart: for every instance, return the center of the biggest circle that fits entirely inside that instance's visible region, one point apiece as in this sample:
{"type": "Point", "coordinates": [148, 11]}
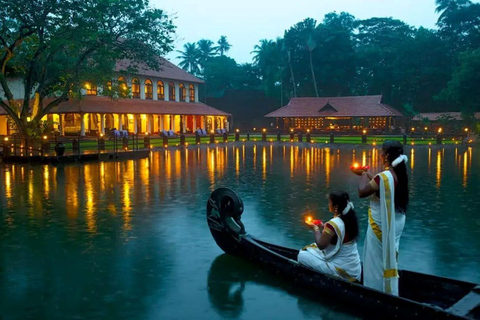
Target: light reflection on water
{"type": "Point", "coordinates": [131, 235]}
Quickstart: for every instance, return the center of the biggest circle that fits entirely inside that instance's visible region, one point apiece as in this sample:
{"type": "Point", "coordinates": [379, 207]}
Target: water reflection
{"type": "Point", "coordinates": [92, 224]}
{"type": "Point", "coordinates": [230, 280]}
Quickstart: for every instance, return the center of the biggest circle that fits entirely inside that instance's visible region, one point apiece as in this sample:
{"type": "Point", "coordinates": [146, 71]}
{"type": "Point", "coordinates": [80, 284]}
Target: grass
{"type": "Point", "coordinates": [157, 142]}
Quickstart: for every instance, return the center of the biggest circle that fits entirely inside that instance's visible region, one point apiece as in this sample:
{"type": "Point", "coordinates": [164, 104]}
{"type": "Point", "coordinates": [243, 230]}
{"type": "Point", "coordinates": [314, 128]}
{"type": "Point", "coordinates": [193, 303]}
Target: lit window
{"type": "Point", "coordinates": [122, 85]}
{"type": "Point", "coordinates": [91, 89]}
{"type": "Point", "coordinates": [135, 88]}
{"type": "Point", "coordinates": [160, 90]}
{"type": "Point", "coordinates": [192, 93]}
{"type": "Point", "coordinates": [182, 92]}
{"type": "Point", "coordinates": [171, 91]}
{"type": "Point", "coordinates": [148, 89]}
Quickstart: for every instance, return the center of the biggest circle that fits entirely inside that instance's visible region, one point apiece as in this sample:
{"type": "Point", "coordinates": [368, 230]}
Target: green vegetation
{"type": "Point", "coordinates": [54, 46]}
{"type": "Point", "coordinates": [416, 69]}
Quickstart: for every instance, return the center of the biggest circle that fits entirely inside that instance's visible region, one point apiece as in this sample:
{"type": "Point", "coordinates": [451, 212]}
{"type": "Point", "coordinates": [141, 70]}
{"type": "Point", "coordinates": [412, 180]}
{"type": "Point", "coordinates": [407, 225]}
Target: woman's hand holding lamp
{"type": "Point", "coordinates": [358, 169]}
{"type": "Point", "coordinates": [314, 223]}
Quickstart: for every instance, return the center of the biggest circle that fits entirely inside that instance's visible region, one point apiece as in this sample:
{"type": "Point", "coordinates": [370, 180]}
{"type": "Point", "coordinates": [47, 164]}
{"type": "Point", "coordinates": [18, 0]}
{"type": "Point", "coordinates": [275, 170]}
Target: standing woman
{"type": "Point", "coordinates": [386, 218]}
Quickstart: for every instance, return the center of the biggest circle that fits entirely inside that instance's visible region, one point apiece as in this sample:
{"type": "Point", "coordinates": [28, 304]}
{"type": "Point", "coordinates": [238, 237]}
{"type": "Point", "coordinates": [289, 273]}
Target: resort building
{"type": "Point", "coordinates": [154, 101]}
{"type": "Point", "coordinates": [448, 121]}
{"type": "Point", "coordinates": [336, 114]}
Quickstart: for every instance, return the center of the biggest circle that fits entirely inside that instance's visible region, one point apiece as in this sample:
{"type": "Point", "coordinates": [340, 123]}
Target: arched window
{"type": "Point", "coordinates": [192, 93]}
{"type": "Point", "coordinates": [91, 88]}
{"type": "Point", "coordinates": [160, 90]}
{"type": "Point", "coordinates": [148, 89]}
{"type": "Point", "coordinates": [122, 86]}
{"type": "Point", "coordinates": [182, 92]}
{"type": "Point", "coordinates": [135, 88]}
{"type": "Point", "coordinates": [171, 91]}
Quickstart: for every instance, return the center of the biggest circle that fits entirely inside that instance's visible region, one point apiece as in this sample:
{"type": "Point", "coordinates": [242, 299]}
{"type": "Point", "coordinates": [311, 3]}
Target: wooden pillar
{"type": "Point", "coordinates": [82, 124]}
{"type": "Point", "coordinates": [102, 123]}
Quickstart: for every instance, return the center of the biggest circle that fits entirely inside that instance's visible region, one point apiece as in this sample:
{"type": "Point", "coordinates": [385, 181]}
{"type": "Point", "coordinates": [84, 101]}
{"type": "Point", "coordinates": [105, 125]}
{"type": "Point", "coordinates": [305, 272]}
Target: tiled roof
{"type": "Point", "coordinates": [432, 116]}
{"type": "Point", "coordinates": [167, 71]}
{"type": "Point", "coordinates": [99, 104]}
{"type": "Point", "coordinates": [358, 106]}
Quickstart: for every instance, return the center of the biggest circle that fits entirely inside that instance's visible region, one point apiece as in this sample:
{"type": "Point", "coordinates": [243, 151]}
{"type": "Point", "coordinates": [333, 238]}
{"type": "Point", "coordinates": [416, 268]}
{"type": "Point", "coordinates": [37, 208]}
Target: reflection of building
{"type": "Point", "coordinates": [160, 100]}
{"type": "Point", "coordinates": [337, 113]}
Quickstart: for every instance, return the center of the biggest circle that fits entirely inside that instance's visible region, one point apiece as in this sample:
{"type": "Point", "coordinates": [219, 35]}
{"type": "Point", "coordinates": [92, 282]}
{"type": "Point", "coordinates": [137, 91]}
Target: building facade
{"type": "Point", "coordinates": [152, 102]}
{"type": "Point", "coordinates": [336, 114]}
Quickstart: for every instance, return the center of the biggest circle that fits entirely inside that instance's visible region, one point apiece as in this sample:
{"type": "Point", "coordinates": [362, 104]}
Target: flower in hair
{"type": "Point", "coordinates": [348, 208]}
{"type": "Point", "coordinates": [400, 158]}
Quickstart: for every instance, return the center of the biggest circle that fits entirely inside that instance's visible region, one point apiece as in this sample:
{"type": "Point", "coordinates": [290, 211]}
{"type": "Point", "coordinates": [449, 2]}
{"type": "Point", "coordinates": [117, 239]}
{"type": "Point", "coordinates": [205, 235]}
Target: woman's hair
{"type": "Point", "coordinates": [340, 199]}
{"type": "Point", "coordinates": [393, 149]}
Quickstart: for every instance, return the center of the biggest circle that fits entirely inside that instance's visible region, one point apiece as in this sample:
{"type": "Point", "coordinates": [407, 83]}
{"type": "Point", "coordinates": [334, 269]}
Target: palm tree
{"type": "Point", "coordinates": [223, 45]}
{"type": "Point", "coordinates": [311, 45]}
{"type": "Point", "coordinates": [447, 7]}
{"type": "Point", "coordinates": [206, 50]}
{"type": "Point", "coordinates": [190, 58]}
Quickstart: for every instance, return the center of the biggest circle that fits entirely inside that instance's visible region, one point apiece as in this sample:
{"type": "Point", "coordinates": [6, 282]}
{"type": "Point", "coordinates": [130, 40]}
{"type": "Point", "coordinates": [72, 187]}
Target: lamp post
{"type": "Point", "coordinates": [439, 136]}
{"type": "Point", "coordinates": [364, 136]}
{"type": "Point", "coordinates": [264, 134]}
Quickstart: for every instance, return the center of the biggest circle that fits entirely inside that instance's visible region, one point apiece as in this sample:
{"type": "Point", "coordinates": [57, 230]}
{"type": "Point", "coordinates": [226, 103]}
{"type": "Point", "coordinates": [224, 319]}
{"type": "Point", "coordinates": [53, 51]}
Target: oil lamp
{"type": "Point", "coordinates": [309, 220]}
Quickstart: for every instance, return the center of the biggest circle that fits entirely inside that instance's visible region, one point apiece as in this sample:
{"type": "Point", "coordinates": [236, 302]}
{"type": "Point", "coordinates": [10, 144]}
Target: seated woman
{"type": "Point", "coordinates": [335, 249]}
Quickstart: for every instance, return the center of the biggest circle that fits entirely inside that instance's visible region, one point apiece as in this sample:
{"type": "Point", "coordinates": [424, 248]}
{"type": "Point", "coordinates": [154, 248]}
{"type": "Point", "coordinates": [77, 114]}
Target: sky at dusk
{"type": "Point", "coordinates": [248, 21]}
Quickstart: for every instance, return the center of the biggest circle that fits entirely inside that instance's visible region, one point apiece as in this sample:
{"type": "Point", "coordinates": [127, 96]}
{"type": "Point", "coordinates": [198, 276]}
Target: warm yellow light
{"type": "Point", "coordinates": [291, 130]}
{"type": "Point", "coordinates": [237, 130]}
{"type": "Point", "coordinates": [6, 139]}
{"type": "Point", "coordinates": [439, 130]}
{"type": "Point", "coordinates": [29, 119]}
{"type": "Point", "coordinates": [413, 129]}
{"type": "Point", "coordinates": [45, 137]}
{"type": "Point", "coordinates": [101, 134]}
{"type": "Point", "coordinates": [425, 128]}
{"type": "Point", "coordinates": [308, 219]}
{"type": "Point", "coordinates": [88, 86]}
{"type": "Point", "coordinates": [212, 131]}
{"type": "Point", "coordinates": [364, 131]}
{"type": "Point", "coordinates": [355, 165]}
{"type": "Point", "coordinates": [186, 144]}
{"type": "Point", "coordinates": [264, 130]}
{"type": "Point", "coordinates": [308, 130]}
{"type": "Point", "coordinates": [466, 129]}
{"type": "Point", "coordinates": [165, 145]}
{"type": "Point", "coordinates": [146, 133]}
{"type": "Point", "coordinates": [374, 143]}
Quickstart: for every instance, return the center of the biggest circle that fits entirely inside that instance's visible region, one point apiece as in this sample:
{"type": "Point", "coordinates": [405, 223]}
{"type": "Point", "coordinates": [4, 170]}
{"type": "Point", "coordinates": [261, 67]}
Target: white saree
{"type": "Point", "coordinates": [341, 259]}
{"type": "Point", "coordinates": [385, 226]}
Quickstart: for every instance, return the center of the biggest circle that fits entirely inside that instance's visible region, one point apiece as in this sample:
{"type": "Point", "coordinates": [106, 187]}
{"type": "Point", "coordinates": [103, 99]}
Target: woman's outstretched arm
{"type": "Point", "coordinates": [365, 188]}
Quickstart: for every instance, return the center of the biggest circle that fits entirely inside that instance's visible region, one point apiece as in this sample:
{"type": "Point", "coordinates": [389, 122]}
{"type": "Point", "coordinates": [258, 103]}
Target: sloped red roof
{"type": "Point", "coordinates": [432, 116]}
{"type": "Point", "coordinates": [356, 106]}
{"type": "Point", "coordinates": [167, 71]}
{"type": "Point", "coordinates": [99, 104]}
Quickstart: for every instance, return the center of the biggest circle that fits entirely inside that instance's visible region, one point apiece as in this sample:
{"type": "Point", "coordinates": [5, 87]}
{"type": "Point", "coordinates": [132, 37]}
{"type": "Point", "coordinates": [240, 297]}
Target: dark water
{"type": "Point", "coordinates": [128, 240]}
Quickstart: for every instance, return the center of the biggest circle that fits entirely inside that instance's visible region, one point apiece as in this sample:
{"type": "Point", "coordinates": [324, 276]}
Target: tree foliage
{"type": "Point", "coordinates": [54, 46]}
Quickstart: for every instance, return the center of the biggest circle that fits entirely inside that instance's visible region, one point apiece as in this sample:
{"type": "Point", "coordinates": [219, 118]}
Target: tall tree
{"type": "Point", "coordinates": [189, 58]}
{"type": "Point", "coordinates": [206, 50]}
{"type": "Point", "coordinates": [448, 8]}
{"type": "Point", "coordinates": [297, 40]}
{"type": "Point", "coordinates": [53, 46]}
{"type": "Point", "coordinates": [463, 88]}
{"type": "Point", "coordinates": [223, 45]}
